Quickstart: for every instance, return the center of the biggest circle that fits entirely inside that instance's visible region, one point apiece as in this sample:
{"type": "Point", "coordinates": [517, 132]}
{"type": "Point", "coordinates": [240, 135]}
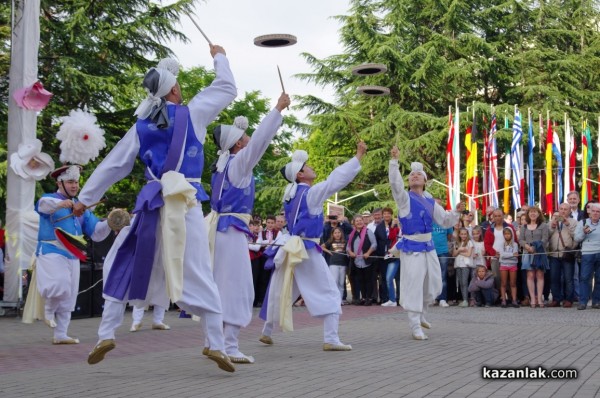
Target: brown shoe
{"type": "Point", "coordinates": [266, 340]}
{"type": "Point", "coordinates": [525, 301]}
{"type": "Point", "coordinates": [100, 350]}
{"type": "Point", "coordinates": [554, 304]}
{"type": "Point", "coordinates": [567, 304]}
{"type": "Point", "coordinates": [222, 360]}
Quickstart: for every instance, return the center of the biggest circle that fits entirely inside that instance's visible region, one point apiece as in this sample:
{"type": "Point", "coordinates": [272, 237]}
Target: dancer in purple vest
{"type": "Point", "coordinates": [421, 278]}
{"type": "Point", "coordinates": [232, 202]}
{"type": "Point", "coordinates": [165, 254]}
{"type": "Point", "coordinates": [300, 267]}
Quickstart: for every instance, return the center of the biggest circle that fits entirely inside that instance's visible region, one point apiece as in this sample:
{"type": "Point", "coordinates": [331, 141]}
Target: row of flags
{"type": "Point", "coordinates": [554, 182]}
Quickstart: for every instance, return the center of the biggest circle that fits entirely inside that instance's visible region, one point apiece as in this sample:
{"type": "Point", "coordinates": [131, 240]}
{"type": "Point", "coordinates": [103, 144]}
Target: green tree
{"type": "Point", "coordinates": [538, 54]}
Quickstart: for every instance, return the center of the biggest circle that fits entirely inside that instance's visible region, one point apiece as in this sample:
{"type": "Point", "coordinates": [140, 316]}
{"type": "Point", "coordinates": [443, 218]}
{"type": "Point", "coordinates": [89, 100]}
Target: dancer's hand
{"type": "Point", "coordinates": [395, 152]}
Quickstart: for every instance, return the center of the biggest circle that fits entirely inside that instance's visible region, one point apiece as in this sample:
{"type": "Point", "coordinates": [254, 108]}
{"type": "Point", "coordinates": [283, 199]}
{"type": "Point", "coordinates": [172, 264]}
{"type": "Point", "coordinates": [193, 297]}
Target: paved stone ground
{"type": "Point", "coordinates": [385, 361]}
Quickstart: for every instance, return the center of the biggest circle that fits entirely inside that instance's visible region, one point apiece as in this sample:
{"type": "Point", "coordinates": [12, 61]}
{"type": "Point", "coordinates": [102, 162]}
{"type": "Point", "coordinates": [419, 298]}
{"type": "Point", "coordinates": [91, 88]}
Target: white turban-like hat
{"type": "Point", "coordinates": [416, 167]}
{"type": "Point", "coordinates": [157, 82]}
{"type": "Point", "coordinates": [290, 171]}
{"type": "Point", "coordinates": [226, 136]}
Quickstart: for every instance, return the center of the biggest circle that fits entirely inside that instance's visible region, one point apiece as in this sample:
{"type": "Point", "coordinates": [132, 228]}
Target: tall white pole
{"type": "Point", "coordinates": [21, 220]}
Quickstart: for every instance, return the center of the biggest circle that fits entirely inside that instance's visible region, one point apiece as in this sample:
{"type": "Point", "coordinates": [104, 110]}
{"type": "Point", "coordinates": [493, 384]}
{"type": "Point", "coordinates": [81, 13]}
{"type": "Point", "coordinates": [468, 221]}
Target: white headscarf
{"type": "Point", "coordinates": [156, 90]}
{"type": "Point", "coordinates": [229, 136]}
{"type": "Point", "coordinates": [299, 158]}
{"type": "Point", "coordinates": [416, 167]}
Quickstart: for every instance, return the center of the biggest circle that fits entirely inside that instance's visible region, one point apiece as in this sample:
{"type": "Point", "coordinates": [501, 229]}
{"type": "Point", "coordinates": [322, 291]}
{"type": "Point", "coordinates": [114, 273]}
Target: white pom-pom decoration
{"type": "Point", "coordinates": [300, 156]}
{"type": "Point", "coordinates": [81, 138]}
{"type": "Point", "coordinates": [241, 122]}
{"type": "Point", "coordinates": [169, 64]}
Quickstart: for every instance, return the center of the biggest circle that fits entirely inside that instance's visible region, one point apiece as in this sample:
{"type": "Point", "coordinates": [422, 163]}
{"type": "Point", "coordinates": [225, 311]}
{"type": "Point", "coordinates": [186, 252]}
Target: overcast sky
{"type": "Point", "coordinates": [234, 24]}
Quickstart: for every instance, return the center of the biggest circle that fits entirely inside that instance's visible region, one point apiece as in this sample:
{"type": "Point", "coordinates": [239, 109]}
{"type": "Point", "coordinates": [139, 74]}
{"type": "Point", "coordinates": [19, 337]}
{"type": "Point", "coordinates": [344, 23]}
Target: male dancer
{"type": "Point", "coordinates": [420, 279]}
{"type": "Point", "coordinates": [57, 269]}
{"type": "Point", "coordinates": [168, 138]}
{"type": "Point", "coordinates": [300, 267]}
{"type": "Point", "coordinates": [232, 201]}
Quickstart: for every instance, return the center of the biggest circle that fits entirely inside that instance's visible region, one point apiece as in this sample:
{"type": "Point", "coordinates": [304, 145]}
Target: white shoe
{"type": "Point", "coordinates": [419, 335]}
{"type": "Point", "coordinates": [135, 327]}
{"type": "Point", "coordinates": [389, 303]}
{"type": "Point", "coordinates": [464, 304]}
{"type": "Point", "coordinates": [444, 303]}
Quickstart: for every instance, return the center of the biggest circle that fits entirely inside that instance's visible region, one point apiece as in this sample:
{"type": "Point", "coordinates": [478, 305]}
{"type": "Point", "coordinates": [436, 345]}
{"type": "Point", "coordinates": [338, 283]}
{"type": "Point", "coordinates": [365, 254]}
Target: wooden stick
{"type": "Point", "coordinates": [73, 215]}
{"type": "Point", "coordinates": [353, 129]}
{"type": "Point", "coordinates": [282, 87]}
{"type": "Point", "coordinates": [200, 29]}
{"type": "Point", "coordinates": [280, 79]}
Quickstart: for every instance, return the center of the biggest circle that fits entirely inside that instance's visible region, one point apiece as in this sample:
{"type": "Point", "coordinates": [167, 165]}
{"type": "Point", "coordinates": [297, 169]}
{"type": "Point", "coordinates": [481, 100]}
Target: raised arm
{"type": "Point", "coordinates": [115, 166]}
{"type": "Point", "coordinates": [397, 184]}
{"type": "Point", "coordinates": [208, 103]}
{"type": "Point", "coordinates": [337, 180]}
{"type": "Point", "coordinates": [241, 167]}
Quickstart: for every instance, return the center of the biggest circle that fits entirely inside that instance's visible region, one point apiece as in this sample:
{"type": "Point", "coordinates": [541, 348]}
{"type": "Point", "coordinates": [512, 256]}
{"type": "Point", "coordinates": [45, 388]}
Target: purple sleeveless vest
{"type": "Point", "coordinates": [305, 224]}
{"type": "Point", "coordinates": [418, 221]}
{"type": "Point", "coordinates": [225, 198]}
{"type": "Point", "coordinates": [154, 144]}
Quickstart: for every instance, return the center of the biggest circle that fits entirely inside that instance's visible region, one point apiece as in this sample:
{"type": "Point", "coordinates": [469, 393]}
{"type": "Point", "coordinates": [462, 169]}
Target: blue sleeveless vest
{"type": "Point", "coordinates": [225, 198]}
{"type": "Point", "coordinates": [86, 223]}
{"type": "Point", "coordinates": [154, 146]}
{"type": "Point", "coordinates": [305, 225]}
{"type": "Point", "coordinates": [418, 221]}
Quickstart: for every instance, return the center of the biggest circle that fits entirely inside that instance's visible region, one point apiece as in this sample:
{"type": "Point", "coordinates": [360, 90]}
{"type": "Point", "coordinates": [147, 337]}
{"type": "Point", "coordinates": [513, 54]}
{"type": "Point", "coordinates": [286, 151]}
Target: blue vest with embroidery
{"type": "Point", "coordinates": [154, 146]}
{"type": "Point", "coordinates": [419, 220]}
{"type": "Point", "coordinates": [305, 224]}
{"type": "Point", "coordinates": [84, 224]}
{"type": "Point", "coordinates": [225, 198]}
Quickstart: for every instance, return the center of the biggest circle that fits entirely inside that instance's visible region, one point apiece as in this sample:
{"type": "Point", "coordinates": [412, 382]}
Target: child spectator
{"type": "Point", "coordinates": [509, 257]}
{"type": "Point", "coordinates": [482, 287]}
{"type": "Point", "coordinates": [338, 260]}
{"type": "Point", "coordinates": [463, 250]}
{"type": "Point", "coordinates": [478, 254]}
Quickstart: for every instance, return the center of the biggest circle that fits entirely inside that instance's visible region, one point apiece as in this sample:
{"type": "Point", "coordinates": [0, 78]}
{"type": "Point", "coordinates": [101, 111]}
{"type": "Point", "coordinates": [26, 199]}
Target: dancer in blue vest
{"type": "Point", "coordinates": [165, 255]}
{"type": "Point", "coordinates": [57, 269]}
{"type": "Point", "coordinates": [300, 267]}
{"type": "Point", "coordinates": [232, 201]}
{"type": "Point", "coordinates": [421, 278]}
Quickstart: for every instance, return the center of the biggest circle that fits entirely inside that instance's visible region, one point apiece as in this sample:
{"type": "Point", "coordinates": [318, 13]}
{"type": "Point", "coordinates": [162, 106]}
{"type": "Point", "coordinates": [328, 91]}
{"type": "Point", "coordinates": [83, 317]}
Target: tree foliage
{"type": "Point", "coordinates": [542, 55]}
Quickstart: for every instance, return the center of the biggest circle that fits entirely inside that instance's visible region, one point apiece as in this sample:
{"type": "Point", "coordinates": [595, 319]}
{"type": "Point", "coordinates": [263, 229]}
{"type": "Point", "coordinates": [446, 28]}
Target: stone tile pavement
{"type": "Point", "coordinates": [385, 361]}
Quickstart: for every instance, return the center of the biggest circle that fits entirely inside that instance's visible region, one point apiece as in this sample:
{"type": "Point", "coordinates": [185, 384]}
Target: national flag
{"type": "Point", "coordinates": [506, 204]}
{"type": "Point", "coordinates": [471, 182]}
{"type": "Point", "coordinates": [456, 153]}
{"type": "Point", "coordinates": [530, 147]}
{"type": "Point", "coordinates": [516, 161]}
{"type": "Point", "coordinates": [567, 176]}
{"type": "Point", "coordinates": [450, 160]}
{"type": "Point", "coordinates": [486, 159]}
{"type": "Point", "coordinates": [572, 159]}
{"type": "Point", "coordinates": [493, 165]}
{"type": "Point", "coordinates": [549, 177]}
{"type": "Point", "coordinates": [586, 160]}
{"type": "Point", "coordinates": [558, 157]}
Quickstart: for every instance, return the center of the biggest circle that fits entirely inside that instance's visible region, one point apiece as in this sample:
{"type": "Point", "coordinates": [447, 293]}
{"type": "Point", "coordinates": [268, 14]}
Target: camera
{"type": "Point", "coordinates": [466, 212]}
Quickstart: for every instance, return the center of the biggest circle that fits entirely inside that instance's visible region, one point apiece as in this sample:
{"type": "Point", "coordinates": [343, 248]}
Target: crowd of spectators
{"type": "Point", "coordinates": [529, 261]}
